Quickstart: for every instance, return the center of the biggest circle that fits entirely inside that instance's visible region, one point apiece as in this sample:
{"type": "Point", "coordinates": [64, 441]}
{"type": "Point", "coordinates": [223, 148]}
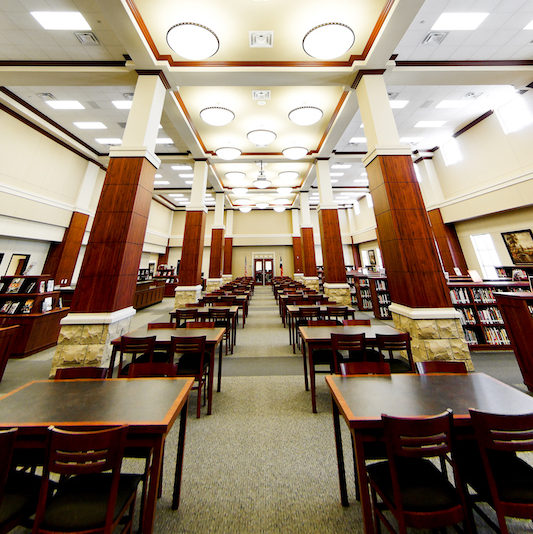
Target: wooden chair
{"type": "Point", "coordinates": [222, 318]}
{"type": "Point", "coordinates": [69, 373]}
{"type": "Point", "coordinates": [396, 342]}
{"type": "Point", "coordinates": [152, 369]}
{"type": "Point", "coordinates": [201, 324]}
{"type": "Point", "coordinates": [364, 368]}
{"type": "Point", "coordinates": [409, 484]}
{"type": "Point", "coordinates": [156, 326]}
{"type": "Point", "coordinates": [193, 305]}
{"type": "Point", "coordinates": [353, 344]}
{"type": "Point", "coordinates": [19, 491]}
{"type": "Point", "coordinates": [302, 317]}
{"type": "Point", "coordinates": [192, 360]}
{"type": "Point", "coordinates": [336, 312]}
{"type": "Point", "coordinates": [92, 495]}
{"type": "Point", "coordinates": [7, 339]}
{"type": "Point", "coordinates": [184, 316]}
{"type": "Point", "coordinates": [141, 349]}
{"type": "Point", "coordinates": [440, 366]}
{"type": "Point", "coordinates": [356, 322]}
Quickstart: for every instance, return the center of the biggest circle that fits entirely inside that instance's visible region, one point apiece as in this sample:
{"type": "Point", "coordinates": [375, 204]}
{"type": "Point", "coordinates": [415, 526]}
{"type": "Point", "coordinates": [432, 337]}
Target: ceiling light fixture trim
{"type": "Point", "coordinates": [328, 41]}
{"type": "Point", "coordinates": [217, 116]}
{"type": "Point", "coordinates": [193, 41]}
{"type": "Point", "coordinates": [305, 115]}
{"type": "Point", "coordinates": [261, 137]}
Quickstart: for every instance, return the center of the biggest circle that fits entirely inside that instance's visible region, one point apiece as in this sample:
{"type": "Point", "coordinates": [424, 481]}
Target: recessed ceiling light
{"type": "Point", "coordinates": [279, 209]}
{"type": "Point", "coordinates": [328, 41]}
{"type": "Point", "coordinates": [295, 152]}
{"type": "Point", "coordinates": [161, 182]}
{"type": "Point", "coordinates": [529, 26]}
{"type": "Point", "coordinates": [217, 116]}
{"type": "Point", "coordinates": [341, 166]}
{"type": "Point", "coordinates": [188, 182]}
{"type": "Point", "coordinates": [284, 190]}
{"type": "Point", "coordinates": [109, 140]}
{"type": "Point", "coordinates": [239, 191]}
{"type": "Point", "coordinates": [61, 20]}
{"type": "Point", "coordinates": [164, 141]}
{"type": "Point", "coordinates": [398, 104]}
{"type": "Point", "coordinates": [451, 104]}
{"type": "Point", "coordinates": [159, 176]}
{"type": "Point", "coordinates": [122, 104]}
{"type": "Point", "coordinates": [361, 181]}
{"type": "Point", "coordinates": [430, 124]}
{"type": "Point", "coordinates": [261, 137]}
{"type": "Point", "coordinates": [459, 21]}
{"type": "Point", "coordinates": [192, 41]}
{"type": "Point", "coordinates": [245, 209]}
{"type": "Point", "coordinates": [90, 125]}
{"type": "Point", "coordinates": [176, 195]}
{"type": "Point", "coordinates": [228, 152]}
{"type": "Point", "coordinates": [288, 175]}
{"type": "Point", "coordinates": [364, 173]}
{"type": "Point", "coordinates": [305, 115]}
{"type": "Point", "coordinates": [357, 140]}
{"type": "Point", "coordinates": [181, 167]}
{"type": "Point", "coordinates": [336, 174]}
{"type": "Point", "coordinates": [186, 175]}
{"type": "Point", "coordinates": [65, 104]}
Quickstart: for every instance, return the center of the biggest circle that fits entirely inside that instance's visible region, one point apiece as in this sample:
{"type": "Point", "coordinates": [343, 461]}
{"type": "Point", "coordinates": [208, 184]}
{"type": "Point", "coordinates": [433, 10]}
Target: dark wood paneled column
{"type": "Point", "coordinates": [308, 251]}
{"type": "Point", "coordinates": [109, 271]}
{"type": "Point", "coordinates": [228, 256]}
{"type": "Point", "coordinates": [409, 253]}
{"type": "Point", "coordinates": [356, 255]}
{"type": "Point", "coordinates": [192, 250]}
{"type": "Point", "coordinates": [451, 253]}
{"type": "Point", "coordinates": [297, 254]}
{"type": "Point", "coordinates": [62, 258]}
{"type": "Point", "coordinates": [332, 254]}
{"type": "Point", "coordinates": [217, 251]}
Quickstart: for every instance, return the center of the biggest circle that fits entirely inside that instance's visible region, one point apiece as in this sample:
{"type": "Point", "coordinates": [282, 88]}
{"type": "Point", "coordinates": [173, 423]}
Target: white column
{"type": "Point", "coordinates": [219, 211]}
{"type": "Point", "coordinates": [229, 223]}
{"type": "Point", "coordinates": [351, 221]}
{"type": "Point", "coordinates": [295, 223]}
{"type": "Point", "coordinates": [86, 190]}
{"type": "Point", "coordinates": [429, 183]}
{"type": "Point", "coordinates": [198, 187]}
{"type": "Point", "coordinates": [325, 191]}
{"type": "Point", "coordinates": [305, 212]}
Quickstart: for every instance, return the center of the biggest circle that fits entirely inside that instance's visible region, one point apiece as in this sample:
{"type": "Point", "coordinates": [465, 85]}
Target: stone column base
{"type": "Point", "coordinates": [227, 278]}
{"type": "Point", "coordinates": [311, 282]}
{"type": "Point", "coordinates": [187, 294]}
{"type": "Point", "coordinates": [436, 333]}
{"type": "Point", "coordinates": [340, 293]}
{"type": "Point", "coordinates": [85, 338]}
{"type": "Point", "coordinates": [299, 277]}
{"type": "Point", "coordinates": [212, 284]}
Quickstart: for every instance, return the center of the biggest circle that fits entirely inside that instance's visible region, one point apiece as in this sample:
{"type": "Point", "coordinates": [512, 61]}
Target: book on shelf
{"type": "Point", "coordinates": [46, 304]}
{"type": "Point", "coordinates": [27, 306]}
{"type": "Point", "coordinates": [31, 287]}
{"type": "Point", "coordinates": [5, 307]}
{"type": "Point", "coordinates": [42, 286]}
{"type": "Point", "coordinates": [49, 285]}
{"type": "Point", "coordinates": [14, 307]}
{"type": "Point", "coordinates": [15, 285]}
{"type": "Point", "coordinates": [2, 285]}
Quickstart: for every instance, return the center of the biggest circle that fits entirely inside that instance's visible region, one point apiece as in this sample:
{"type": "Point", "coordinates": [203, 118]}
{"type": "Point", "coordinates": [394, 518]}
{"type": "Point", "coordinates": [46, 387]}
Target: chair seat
{"type": "Point", "coordinates": [80, 502]}
{"type": "Point", "coordinates": [20, 496]}
{"type": "Point", "coordinates": [188, 363]}
{"type": "Point", "coordinates": [423, 486]}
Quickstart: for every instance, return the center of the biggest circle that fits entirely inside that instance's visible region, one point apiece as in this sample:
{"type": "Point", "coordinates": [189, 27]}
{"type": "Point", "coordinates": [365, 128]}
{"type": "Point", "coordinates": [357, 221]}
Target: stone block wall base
{"type": "Point", "coordinates": [341, 295]}
{"type": "Point", "coordinates": [187, 294]}
{"type": "Point", "coordinates": [212, 284]}
{"type": "Point", "coordinates": [311, 282]}
{"type": "Point", "coordinates": [299, 276]}
{"type": "Point", "coordinates": [435, 339]}
{"type": "Point", "coordinates": [226, 278]}
{"type": "Point", "coordinates": [82, 345]}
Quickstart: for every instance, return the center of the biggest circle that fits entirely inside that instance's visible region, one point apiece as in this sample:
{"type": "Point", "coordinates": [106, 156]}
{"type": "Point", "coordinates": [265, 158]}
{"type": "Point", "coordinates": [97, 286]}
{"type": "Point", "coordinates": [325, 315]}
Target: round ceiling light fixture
{"type": "Point", "coordinates": [279, 209]}
{"type": "Point", "coordinates": [281, 201]}
{"type": "Point", "coordinates": [217, 116]}
{"type": "Point", "coordinates": [239, 191]}
{"type": "Point", "coordinates": [295, 152]}
{"type": "Point", "coordinates": [243, 202]}
{"type": "Point", "coordinates": [262, 205]}
{"type": "Point", "coordinates": [235, 176]}
{"type": "Point", "coordinates": [228, 152]}
{"type": "Point", "coordinates": [305, 115]}
{"type": "Point", "coordinates": [261, 182]}
{"type": "Point", "coordinates": [328, 41]}
{"type": "Point", "coordinates": [192, 41]}
{"type": "Point", "coordinates": [245, 209]}
{"type": "Point", "coordinates": [288, 175]}
{"type": "Point", "coordinates": [284, 190]}
{"type": "Point", "coordinates": [261, 137]}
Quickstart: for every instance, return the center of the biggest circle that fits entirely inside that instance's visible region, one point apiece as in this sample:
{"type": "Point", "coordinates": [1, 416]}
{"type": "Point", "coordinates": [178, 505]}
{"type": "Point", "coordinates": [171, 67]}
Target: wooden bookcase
{"type": "Point", "coordinates": [482, 320]}
{"type": "Point", "coordinates": [506, 271]}
{"type": "Point", "coordinates": [381, 300]}
{"type": "Point", "coordinates": [170, 281]}
{"type": "Point", "coordinates": [32, 303]}
{"type": "Point", "coordinates": [517, 312]}
{"type": "Point", "coordinates": [148, 293]}
{"type": "Point", "coordinates": [370, 293]}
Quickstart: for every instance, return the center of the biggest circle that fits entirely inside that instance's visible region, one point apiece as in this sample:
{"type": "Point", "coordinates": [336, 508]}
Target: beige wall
{"type": "Point", "coordinates": [240, 253]}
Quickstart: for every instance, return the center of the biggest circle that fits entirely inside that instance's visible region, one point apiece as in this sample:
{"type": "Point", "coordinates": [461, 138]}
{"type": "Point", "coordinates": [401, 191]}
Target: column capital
{"type": "Point", "coordinates": [328, 206]}
{"type": "Point", "coordinates": [135, 152]}
{"type": "Point", "coordinates": [393, 150]}
{"type": "Point", "coordinates": [198, 207]}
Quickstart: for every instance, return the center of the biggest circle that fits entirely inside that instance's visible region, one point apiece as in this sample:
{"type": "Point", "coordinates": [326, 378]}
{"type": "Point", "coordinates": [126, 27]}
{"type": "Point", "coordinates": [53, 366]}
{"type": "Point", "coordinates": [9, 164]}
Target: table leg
{"type": "Point", "coordinates": [312, 378]}
{"type": "Point", "coordinates": [112, 362]}
{"type": "Point", "coordinates": [340, 454]}
{"type": "Point", "coordinates": [153, 486]}
{"type": "Point", "coordinates": [219, 378]}
{"type": "Point", "coordinates": [179, 458]}
{"type": "Point", "coordinates": [364, 494]}
{"type": "Point", "coordinates": [211, 378]}
{"type": "Point", "coordinates": [304, 354]}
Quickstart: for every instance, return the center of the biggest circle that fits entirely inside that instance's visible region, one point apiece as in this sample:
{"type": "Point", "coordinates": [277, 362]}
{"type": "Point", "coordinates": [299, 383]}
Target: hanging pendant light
{"type": "Point", "coordinates": [261, 182]}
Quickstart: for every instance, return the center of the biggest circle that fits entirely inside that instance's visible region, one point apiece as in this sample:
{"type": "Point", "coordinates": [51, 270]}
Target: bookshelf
{"type": "Point", "coordinates": [381, 300]}
{"type": "Point", "coordinates": [481, 318]}
{"type": "Point", "coordinates": [517, 312]}
{"type": "Point", "coordinates": [370, 293]}
{"type": "Point", "coordinates": [32, 303]}
{"type": "Point", "coordinates": [167, 275]}
{"type": "Point", "coordinates": [506, 271]}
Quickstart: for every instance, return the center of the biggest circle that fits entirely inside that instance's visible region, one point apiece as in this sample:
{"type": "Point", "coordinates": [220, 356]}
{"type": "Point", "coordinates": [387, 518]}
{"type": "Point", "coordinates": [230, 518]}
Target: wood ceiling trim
{"type": "Point", "coordinates": [55, 63]}
{"type": "Point", "coordinates": [189, 120]}
{"type": "Point", "coordinates": [173, 63]}
{"type": "Point", "coordinates": [331, 121]}
{"type": "Point", "coordinates": [468, 63]}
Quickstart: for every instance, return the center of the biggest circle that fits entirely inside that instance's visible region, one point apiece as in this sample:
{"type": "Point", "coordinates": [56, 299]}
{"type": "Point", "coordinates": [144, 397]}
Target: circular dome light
{"type": "Point", "coordinates": [279, 209]}
{"type": "Point", "coordinates": [243, 202]}
{"type": "Point", "coordinates": [281, 201]}
{"type": "Point", "coordinates": [295, 152]}
{"type": "Point", "coordinates": [328, 41]}
{"type": "Point", "coordinates": [217, 116]}
{"type": "Point", "coordinates": [245, 209]}
{"type": "Point", "coordinates": [284, 190]}
{"type": "Point", "coordinates": [262, 205]}
{"type": "Point", "coordinates": [261, 183]}
{"type": "Point", "coordinates": [288, 175]}
{"type": "Point", "coordinates": [305, 115]}
{"type": "Point", "coordinates": [261, 137]}
{"type": "Point", "coordinates": [228, 152]}
{"type": "Point", "coordinates": [239, 191]}
{"type": "Point", "coordinates": [235, 176]}
{"type": "Point", "coordinates": [192, 41]}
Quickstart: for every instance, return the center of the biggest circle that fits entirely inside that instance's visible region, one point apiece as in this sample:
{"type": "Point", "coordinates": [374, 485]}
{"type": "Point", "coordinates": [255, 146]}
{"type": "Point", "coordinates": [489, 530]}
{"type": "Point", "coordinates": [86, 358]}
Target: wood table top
{"type": "Point", "coordinates": [206, 309]}
{"type": "Point", "coordinates": [362, 399]}
{"type": "Point", "coordinates": [292, 308]}
{"type": "Point", "coordinates": [163, 335]}
{"type": "Point", "coordinates": [319, 333]}
{"type": "Point", "coordinates": [150, 403]}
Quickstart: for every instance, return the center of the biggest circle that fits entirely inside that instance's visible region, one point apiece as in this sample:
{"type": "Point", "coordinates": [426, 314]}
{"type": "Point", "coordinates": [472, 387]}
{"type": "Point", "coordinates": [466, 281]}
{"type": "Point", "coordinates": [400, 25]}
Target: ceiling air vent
{"type": "Point", "coordinates": [261, 39]}
{"type": "Point", "coordinates": [434, 38]}
{"type": "Point", "coordinates": [261, 94]}
{"type": "Point", "coordinates": [87, 38]}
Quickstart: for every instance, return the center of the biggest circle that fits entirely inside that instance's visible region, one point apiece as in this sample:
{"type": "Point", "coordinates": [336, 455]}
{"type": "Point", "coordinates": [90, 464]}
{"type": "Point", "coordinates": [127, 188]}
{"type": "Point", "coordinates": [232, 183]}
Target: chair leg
{"type": "Point", "coordinates": [199, 402]}
{"type": "Point", "coordinates": [356, 477]}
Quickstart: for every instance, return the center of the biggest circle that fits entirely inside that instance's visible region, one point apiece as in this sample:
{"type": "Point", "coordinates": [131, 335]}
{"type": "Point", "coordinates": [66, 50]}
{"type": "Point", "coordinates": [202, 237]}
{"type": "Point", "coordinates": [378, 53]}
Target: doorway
{"type": "Point", "coordinates": [263, 271]}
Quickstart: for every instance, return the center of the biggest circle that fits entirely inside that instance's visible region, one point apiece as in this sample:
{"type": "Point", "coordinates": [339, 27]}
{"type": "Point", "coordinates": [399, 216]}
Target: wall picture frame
{"type": "Point", "coordinates": [519, 245]}
{"type": "Point", "coordinates": [372, 257]}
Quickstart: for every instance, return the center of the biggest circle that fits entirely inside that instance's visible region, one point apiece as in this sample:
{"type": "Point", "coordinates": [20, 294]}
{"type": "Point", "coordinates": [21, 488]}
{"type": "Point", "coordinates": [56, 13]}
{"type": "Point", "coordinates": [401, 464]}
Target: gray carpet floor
{"type": "Point", "coordinates": [262, 462]}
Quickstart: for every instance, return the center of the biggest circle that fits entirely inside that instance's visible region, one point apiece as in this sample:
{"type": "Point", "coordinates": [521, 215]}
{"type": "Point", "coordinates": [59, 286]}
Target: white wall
{"type": "Point", "coordinates": [37, 250]}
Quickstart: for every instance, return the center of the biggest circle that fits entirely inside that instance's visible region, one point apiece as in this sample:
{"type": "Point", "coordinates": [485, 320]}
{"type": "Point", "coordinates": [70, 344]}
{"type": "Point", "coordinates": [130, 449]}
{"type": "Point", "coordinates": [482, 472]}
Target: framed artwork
{"type": "Point", "coordinates": [519, 245]}
{"type": "Point", "coordinates": [372, 257]}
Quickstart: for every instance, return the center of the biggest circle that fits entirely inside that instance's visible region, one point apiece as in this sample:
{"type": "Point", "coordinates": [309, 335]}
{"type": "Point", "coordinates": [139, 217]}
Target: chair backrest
{"type": "Point", "coordinates": [356, 322]}
{"type": "Point", "coordinates": [7, 444]}
{"type": "Point", "coordinates": [193, 305]}
{"type": "Point", "coordinates": [392, 342]}
{"type": "Point", "coordinates": [70, 373]}
{"type": "Point", "coordinates": [440, 366]}
{"type": "Point", "coordinates": [219, 314]}
{"type": "Point", "coordinates": [155, 326]}
{"type": "Point", "coordinates": [7, 340]}
{"type": "Point", "coordinates": [139, 370]}
{"type": "Point", "coordinates": [364, 368]}
{"type": "Point", "coordinates": [186, 314]}
{"type": "Point", "coordinates": [323, 322]}
{"type": "Point", "coordinates": [187, 344]}
{"type": "Point", "coordinates": [201, 324]}
{"type": "Point", "coordinates": [137, 345]}
{"type": "Point", "coordinates": [354, 344]}
{"type": "Point", "coordinates": [336, 311]}
{"type": "Point", "coordinates": [304, 312]}
{"type": "Point", "coordinates": [224, 302]}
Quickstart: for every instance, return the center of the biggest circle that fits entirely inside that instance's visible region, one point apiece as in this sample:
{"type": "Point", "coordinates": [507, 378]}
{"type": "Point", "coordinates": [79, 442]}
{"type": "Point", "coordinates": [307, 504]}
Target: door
{"type": "Point", "coordinates": [269, 271]}
{"type": "Point", "coordinates": [263, 271]}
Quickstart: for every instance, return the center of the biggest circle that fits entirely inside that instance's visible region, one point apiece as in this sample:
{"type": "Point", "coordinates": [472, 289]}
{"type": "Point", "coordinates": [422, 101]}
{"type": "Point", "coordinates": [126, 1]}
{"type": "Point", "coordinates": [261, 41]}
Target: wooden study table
{"type": "Point", "coordinates": [148, 406]}
{"type": "Point", "coordinates": [362, 399]}
{"type": "Point", "coordinates": [213, 337]}
{"type": "Point", "coordinates": [319, 337]}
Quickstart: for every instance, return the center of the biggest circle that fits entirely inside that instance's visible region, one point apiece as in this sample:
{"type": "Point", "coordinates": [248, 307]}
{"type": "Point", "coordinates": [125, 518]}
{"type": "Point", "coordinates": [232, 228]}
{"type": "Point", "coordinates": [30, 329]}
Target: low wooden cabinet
{"type": "Point", "coordinates": [148, 293]}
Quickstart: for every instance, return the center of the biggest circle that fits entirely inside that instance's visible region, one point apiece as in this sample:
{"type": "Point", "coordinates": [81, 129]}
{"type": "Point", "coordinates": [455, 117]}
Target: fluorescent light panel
{"type": "Point", "coordinates": [161, 182]}
{"type": "Point", "coordinates": [109, 140]}
{"type": "Point", "coordinates": [430, 124]}
{"type": "Point", "coordinates": [459, 21]}
{"type": "Point", "coordinates": [451, 104]}
{"type": "Point", "coordinates": [398, 104]}
{"type": "Point", "coordinates": [65, 104]}
{"type": "Point", "coordinates": [357, 140]}
{"type": "Point", "coordinates": [122, 104]}
{"type": "Point", "coordinates": [181, 167]}
{"type": "Point", "coordinates": [61, 20]}
{"type": "Point", "coordinates": [529, 26]}
{"type": "Point", "coordinates": [90, 125]}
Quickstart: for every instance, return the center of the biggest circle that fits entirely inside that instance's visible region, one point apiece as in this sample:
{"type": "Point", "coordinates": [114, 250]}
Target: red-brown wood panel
{"type": "Point", "coordinates": [356, 255]}
{"type": "Point", "coordinates": [228, 255]}
{"type": "Point", "coordinates": [297, 254]}
{"type": "Point", "coordinates": [447, 241]}
{"type": "Point", "coordinates": [193, 247]}
{"type": "Point", "coordinates": [308, 251]}
{"type": "Point", "coordinates": [332, 254]}
{"type": "Point", "coordinates": [109, 271]}
{"type": "Point", "coordinates": [52, 259]}
{"type": "Point", "coordinates": [71, 245]}
{"type": "Point", "coordinates": [409, 253]}
{"type": "Point", "coordinates": [217, 251]}
{"type": "Point", "coordinates": [163, 258]}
